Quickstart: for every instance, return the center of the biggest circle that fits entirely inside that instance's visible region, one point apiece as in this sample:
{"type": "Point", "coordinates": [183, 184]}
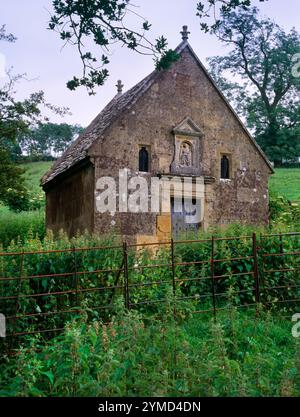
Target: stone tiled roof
{"type": "Point", "coordinates": [78, 151]}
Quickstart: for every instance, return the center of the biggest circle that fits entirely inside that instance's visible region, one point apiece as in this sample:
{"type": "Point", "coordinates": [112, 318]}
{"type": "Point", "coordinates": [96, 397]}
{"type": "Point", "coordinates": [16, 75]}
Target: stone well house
{"type": "Point", "coordinates": [174, 124]}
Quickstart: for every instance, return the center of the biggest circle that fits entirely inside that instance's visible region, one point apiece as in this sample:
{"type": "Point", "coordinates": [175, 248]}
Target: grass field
{"type": "Point", "coordinates": [286, 182]}
{"type": "Point", "coordinates": [18, 224]}
{"type": "Point", "coordinates": [33, 174]}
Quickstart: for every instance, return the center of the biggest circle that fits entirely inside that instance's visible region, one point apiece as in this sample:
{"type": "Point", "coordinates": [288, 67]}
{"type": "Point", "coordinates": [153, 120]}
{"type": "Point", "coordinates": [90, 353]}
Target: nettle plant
{"type": "Point", "coordinates": [95, 277]}
{"type": "Point", "coordinates": [238, 355]}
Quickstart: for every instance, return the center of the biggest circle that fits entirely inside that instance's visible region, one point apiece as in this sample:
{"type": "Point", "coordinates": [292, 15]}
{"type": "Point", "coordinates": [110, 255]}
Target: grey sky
{"type": "Point", "coordinates": [39, 53]}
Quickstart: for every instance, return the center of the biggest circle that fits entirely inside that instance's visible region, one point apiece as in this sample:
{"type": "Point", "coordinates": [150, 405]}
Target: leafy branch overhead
{"type": "Point", "coordinates": [87, 24]}
{"type": "Point", "coordinates": [211, 12]}
{"type": "Point", "coordinates": [104, 22]}
{"type": "Point", "coordinates": [8, 37]}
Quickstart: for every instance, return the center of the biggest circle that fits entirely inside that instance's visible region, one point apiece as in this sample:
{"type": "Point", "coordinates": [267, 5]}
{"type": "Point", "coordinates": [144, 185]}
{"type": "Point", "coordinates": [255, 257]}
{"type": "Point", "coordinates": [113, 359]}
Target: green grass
{"type": "Point", "coordinates": [286, 182]}
{"type": "Point", "coordinates": [13, 224]}
{"type": "Point", "coordinates": [18, 225]}
{"type": "Point", "coordinates": [241, 354]}
{"type": "Point", "coordinates": [33, 174]}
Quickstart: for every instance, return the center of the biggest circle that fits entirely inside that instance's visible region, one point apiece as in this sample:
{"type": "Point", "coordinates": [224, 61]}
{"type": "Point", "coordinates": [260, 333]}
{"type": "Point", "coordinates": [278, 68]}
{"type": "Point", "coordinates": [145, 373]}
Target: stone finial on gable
{"type": "Point", "coordinates": [185, 33]}
{"type": "Point", "coordinates": [120, 87]}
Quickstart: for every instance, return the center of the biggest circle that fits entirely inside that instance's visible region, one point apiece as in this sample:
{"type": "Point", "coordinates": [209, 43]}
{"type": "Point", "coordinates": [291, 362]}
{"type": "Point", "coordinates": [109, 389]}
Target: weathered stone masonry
{"type": "Point", "coordinates": [186, 125]}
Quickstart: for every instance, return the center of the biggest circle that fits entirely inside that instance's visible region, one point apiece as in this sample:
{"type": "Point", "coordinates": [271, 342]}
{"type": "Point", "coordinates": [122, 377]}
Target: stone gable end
{"type": "Point", "coordinates": [179, 108]}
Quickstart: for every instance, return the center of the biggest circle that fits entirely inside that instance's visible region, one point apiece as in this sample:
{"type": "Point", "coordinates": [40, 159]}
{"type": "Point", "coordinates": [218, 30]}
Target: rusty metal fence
{"type": "Point", "coordinates": [261, 270]}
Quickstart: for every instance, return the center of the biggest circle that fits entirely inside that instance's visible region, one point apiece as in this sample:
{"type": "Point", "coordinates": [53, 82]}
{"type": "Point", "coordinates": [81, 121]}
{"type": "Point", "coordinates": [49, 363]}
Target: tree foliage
{"type": "Point", "coordinates": [9, 37]}
{"type": "Point", "coordinates": [211, 12]}
{"type": "Point", "coordinates": [87, 24]}
{"type": "Point", "coordinates": [48, 139]}
{"type": "Point", "coordinates": [105, 23]}
{"type": "Point", "coordinates": [16, 116]}
{"type": "Point", "coordinates": [264, 90]}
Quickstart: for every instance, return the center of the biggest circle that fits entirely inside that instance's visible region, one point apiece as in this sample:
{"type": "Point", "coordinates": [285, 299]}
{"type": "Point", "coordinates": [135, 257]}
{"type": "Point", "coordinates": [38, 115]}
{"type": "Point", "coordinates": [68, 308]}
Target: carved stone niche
{"type": "Point", "coordinates": [188, 148]}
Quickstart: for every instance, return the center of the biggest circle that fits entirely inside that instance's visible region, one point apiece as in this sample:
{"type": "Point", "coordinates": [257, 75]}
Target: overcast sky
{"type": "Point", "coordinates": [39, 53]}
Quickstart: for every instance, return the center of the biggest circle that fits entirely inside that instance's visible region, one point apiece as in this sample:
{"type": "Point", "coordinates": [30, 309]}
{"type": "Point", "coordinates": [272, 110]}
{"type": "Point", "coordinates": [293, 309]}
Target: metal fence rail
{"type": "Point", "coordinates": [46, 300]}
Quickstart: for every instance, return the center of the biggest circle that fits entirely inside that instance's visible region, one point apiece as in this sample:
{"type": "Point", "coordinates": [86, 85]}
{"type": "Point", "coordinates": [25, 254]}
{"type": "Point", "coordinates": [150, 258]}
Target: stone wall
{"type": "Point", "coordinates": [181, 98]}
{"type": "Point", "coordinates": [185, 91]}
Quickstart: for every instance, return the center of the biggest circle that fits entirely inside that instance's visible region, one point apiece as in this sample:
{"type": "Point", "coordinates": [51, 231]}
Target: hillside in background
{"type": "Point", "coordinates": [34, 172]}
{"type": "Point", "coordinates": [285, 181]}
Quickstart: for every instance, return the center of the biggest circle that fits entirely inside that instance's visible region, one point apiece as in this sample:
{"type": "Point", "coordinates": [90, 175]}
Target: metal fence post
{"type": "Point", "coordinates": [282, 261]}
{"type": "Point", "coordinates": [75, 275]}
{"type": "Point", "coordinates": [255, 268]}
{"type": "Point", "coordinates": [281, 243]}
{"type": "Point", "coordinates": [173, 277]}
{"type": "Point", "coordinates": [174, 306]}
{"type": "Point", "coordinates": [212, 271]}
{"type": "Point", "coordinates": [126, 283]}
{"type": "Point", "coordinates": [17, 305]}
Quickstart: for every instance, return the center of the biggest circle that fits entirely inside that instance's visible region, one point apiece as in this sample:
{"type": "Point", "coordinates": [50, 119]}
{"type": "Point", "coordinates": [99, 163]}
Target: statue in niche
{"type": "Point", "coordinates": [185, 155]}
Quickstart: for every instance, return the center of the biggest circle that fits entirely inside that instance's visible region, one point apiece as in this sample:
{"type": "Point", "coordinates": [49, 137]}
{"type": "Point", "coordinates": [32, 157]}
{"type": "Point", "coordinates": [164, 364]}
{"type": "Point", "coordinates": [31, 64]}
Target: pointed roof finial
{"type": "Point", "coordinates": [120, 87]}
{"type": "Point", "coordinates": [185, 33]}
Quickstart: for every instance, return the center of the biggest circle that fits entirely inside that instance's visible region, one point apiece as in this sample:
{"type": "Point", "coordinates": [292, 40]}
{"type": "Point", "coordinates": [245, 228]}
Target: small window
{"type": "Point", "coordinates": [143, 159]}
{"type": "Point", "coordinates": [225, 167]}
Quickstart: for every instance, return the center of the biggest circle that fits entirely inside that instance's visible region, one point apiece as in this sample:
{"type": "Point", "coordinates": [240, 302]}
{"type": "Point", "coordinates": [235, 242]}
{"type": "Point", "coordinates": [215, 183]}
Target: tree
{"type": "Point", "coordinates": [265, 91]}
{"type": "Point", "coordinates": [48, 139]}
{"type": "Point", "coordinates": [11, 180]}
{"type": "Point", "coordinates": [15, 118]}
{"type": "Point", "coordinates": [105, 22]}
{"type": "Point", "coordinates": [9, 37]}
{"type": "Point", "coordinates": [211, 12]}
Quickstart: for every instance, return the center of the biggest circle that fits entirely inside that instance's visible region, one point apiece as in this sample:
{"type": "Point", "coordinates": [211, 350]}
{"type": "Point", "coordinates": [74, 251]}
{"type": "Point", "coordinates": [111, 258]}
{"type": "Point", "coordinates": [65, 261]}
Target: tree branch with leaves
{"type": "Point", "coordinates": [104, 23]}
{"type": "Point", "coordinates": [265, 92]}
{"type": "Point", "coordinates": [16, 117]}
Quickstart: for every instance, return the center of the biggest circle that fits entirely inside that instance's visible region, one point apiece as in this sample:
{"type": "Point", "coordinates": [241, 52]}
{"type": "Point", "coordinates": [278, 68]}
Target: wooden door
{"type": "Point", "coordinates": [179, 225]}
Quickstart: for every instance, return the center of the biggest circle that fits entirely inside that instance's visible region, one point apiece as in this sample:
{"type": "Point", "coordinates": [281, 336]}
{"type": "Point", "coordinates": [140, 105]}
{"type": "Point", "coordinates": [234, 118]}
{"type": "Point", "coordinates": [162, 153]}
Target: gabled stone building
{"type": "Point", "coordinates": [175, 123]}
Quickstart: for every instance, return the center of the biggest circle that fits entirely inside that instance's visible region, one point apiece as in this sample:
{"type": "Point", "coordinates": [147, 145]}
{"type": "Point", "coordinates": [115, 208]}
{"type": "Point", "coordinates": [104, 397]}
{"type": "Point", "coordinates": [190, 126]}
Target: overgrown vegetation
{"type": "Point", "coordinates": [145, 352]}
{"type": "Point", "coordinates": [241, 354]}
{"type": "Point", "coordinates": [94, 276]}
{"type": "Point", "coordinates": [18, 227]}
{"type": "Point", "coordinates": [159, 346]}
